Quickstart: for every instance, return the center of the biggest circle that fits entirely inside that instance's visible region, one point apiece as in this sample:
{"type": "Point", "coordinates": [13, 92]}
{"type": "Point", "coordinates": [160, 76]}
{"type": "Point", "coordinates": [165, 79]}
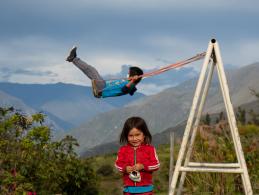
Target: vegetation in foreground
{"type": "Point", "coordinates": [31, 162]}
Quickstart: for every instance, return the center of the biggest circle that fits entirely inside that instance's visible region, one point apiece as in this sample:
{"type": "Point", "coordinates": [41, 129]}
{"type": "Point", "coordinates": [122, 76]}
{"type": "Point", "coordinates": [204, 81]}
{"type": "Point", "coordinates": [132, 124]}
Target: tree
{"type": "Point", "coordinates": [254, 117]}
{"type": "Point", "coordinates": [207, 119]}
{"type": "Point", "coordinates": [221, 116]}
{"type": "Point", "coordinates": [241, 115]}
{"type": "Point", "coordinates": [254, 93]}
{"type": "Point", "coordinates": [31, 161]}
{"type": "Point", "coordinates": [252, 113]}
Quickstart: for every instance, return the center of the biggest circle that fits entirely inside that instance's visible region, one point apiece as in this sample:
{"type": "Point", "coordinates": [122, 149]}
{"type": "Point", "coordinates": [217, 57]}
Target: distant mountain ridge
{"type": "Point", "coordinates": [168, 108]}
{"type": "Point", "coordinates": [67, 105]}
{"type": "Point", "coordinates": [7, 100]}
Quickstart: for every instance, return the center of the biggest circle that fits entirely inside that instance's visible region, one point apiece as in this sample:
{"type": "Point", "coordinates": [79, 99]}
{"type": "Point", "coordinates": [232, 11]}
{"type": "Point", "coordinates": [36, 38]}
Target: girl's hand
{"type": "Point", "coordinates": [138, 167]}
{"type": "Point", "coordinates": [134, 78]}
{"type": "Point", "coordinates": [129, 169]}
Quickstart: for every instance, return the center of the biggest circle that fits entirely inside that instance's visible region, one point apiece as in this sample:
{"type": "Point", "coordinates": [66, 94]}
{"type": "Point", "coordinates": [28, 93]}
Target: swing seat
{"type": "Point", "coordinates": [97, 93]}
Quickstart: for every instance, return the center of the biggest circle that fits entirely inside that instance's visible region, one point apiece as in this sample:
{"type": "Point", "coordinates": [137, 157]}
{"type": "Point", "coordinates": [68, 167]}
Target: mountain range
{"type": "Point", "coordinates": [66, 105]}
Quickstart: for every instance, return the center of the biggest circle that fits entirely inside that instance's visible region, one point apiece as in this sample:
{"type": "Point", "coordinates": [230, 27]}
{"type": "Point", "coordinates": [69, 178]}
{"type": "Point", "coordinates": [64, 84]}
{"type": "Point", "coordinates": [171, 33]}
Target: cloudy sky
{"type": "Point", "coordinates": [36, 35]}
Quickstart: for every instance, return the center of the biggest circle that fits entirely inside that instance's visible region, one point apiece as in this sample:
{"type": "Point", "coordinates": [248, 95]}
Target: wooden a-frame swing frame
{"type": "Point", "coordinates": [212, 54]}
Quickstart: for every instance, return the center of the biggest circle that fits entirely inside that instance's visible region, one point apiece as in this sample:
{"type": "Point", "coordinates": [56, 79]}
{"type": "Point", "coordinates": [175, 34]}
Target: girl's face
{"type": "Point", "coordinates": [135, 137]}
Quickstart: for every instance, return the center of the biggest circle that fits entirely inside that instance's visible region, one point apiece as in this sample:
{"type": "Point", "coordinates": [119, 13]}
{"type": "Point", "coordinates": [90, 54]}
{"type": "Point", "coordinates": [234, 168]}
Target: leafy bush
{"type": "Point", "coordinates": [31, 161]}
{"type": "Point", "coordinates": [105, 170]}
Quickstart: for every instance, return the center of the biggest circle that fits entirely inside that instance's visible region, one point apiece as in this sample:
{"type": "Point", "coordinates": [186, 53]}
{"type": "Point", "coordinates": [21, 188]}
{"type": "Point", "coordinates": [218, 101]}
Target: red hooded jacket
{"type": "Point", "coordinates": [146, 155]}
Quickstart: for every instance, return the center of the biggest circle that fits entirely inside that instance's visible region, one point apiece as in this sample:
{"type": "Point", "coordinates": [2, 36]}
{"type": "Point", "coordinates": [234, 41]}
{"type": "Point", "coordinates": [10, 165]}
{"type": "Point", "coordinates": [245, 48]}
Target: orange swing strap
{"type": "Point", "coordinates": [175, 65]}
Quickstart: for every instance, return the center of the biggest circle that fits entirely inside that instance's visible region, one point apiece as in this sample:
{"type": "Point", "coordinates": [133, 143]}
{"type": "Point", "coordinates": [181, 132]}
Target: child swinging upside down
{"type": "Point", "coordinates": [137, 159]}
{"type": "Point", "coordinates": [103, 88]}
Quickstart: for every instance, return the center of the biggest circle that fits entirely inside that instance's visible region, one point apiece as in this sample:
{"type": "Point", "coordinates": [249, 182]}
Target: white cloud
{"type": "Point", "coordinates": [32, 51]}
{"type": "Point", "coordinates": [36, 54]}
{"type": "Point", "coordinates": [175, 46]}
{"type": "Point", "coordinates": [68, 73]}
{"type": "Point", "coordinates": [111, 63]}
{"type": "Point", "coordinates": [248, 52]}
{"type": "Point", "coordinates": [150, 89]}
{"type": "Point", "coordinates": [235, 52]}
{"type": "Point", "coordinates": [240, 53]}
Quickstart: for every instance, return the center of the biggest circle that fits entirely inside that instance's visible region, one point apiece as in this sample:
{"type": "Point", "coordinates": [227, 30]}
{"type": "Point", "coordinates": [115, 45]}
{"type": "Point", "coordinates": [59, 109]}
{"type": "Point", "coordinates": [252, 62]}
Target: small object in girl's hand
{"type": "Point", "coordinates": [135, 176]}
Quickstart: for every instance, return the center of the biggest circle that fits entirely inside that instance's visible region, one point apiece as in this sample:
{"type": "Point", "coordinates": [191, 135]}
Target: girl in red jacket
{"type": "Point", "coordinates": [137, 159]}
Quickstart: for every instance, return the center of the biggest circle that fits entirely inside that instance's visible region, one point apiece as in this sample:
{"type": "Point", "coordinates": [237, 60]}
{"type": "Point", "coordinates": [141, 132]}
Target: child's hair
{"type": "Point", "coordinates": [134, 70]}
{"type": "Point", "coordinates": [138, 123]}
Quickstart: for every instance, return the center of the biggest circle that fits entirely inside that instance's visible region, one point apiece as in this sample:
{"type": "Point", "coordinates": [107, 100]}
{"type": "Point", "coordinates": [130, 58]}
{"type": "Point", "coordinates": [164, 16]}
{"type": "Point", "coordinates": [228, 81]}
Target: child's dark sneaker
{"type": "Point", "coordinates": [72, 54]}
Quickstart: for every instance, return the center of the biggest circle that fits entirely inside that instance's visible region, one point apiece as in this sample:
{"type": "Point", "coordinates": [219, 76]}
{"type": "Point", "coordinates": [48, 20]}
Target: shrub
{"type": "Point", "coordinates": [105, 170]}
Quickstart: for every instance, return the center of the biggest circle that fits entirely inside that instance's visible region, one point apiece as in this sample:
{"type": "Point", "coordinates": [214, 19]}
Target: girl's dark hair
{"type": "Point", "coordinates": [134, 70]}
{"type": "Point", "coordinates": [138, 123]}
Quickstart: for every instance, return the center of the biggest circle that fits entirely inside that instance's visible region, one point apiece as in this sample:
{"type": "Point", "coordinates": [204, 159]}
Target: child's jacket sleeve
{"type": "Point", "coordinates": [121, 162]}
{"type": "Point", "coordinates": [153, 163]}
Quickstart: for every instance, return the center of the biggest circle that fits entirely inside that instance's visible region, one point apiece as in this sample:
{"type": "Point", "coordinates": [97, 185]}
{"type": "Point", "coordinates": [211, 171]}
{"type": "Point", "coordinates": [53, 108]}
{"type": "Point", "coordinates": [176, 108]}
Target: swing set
{"type": "Point", "coordinates": [212, 61]}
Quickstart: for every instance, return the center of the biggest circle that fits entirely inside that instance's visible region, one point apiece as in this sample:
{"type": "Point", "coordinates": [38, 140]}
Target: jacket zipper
{"type": "Point", "coordinates": [135, 161]}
